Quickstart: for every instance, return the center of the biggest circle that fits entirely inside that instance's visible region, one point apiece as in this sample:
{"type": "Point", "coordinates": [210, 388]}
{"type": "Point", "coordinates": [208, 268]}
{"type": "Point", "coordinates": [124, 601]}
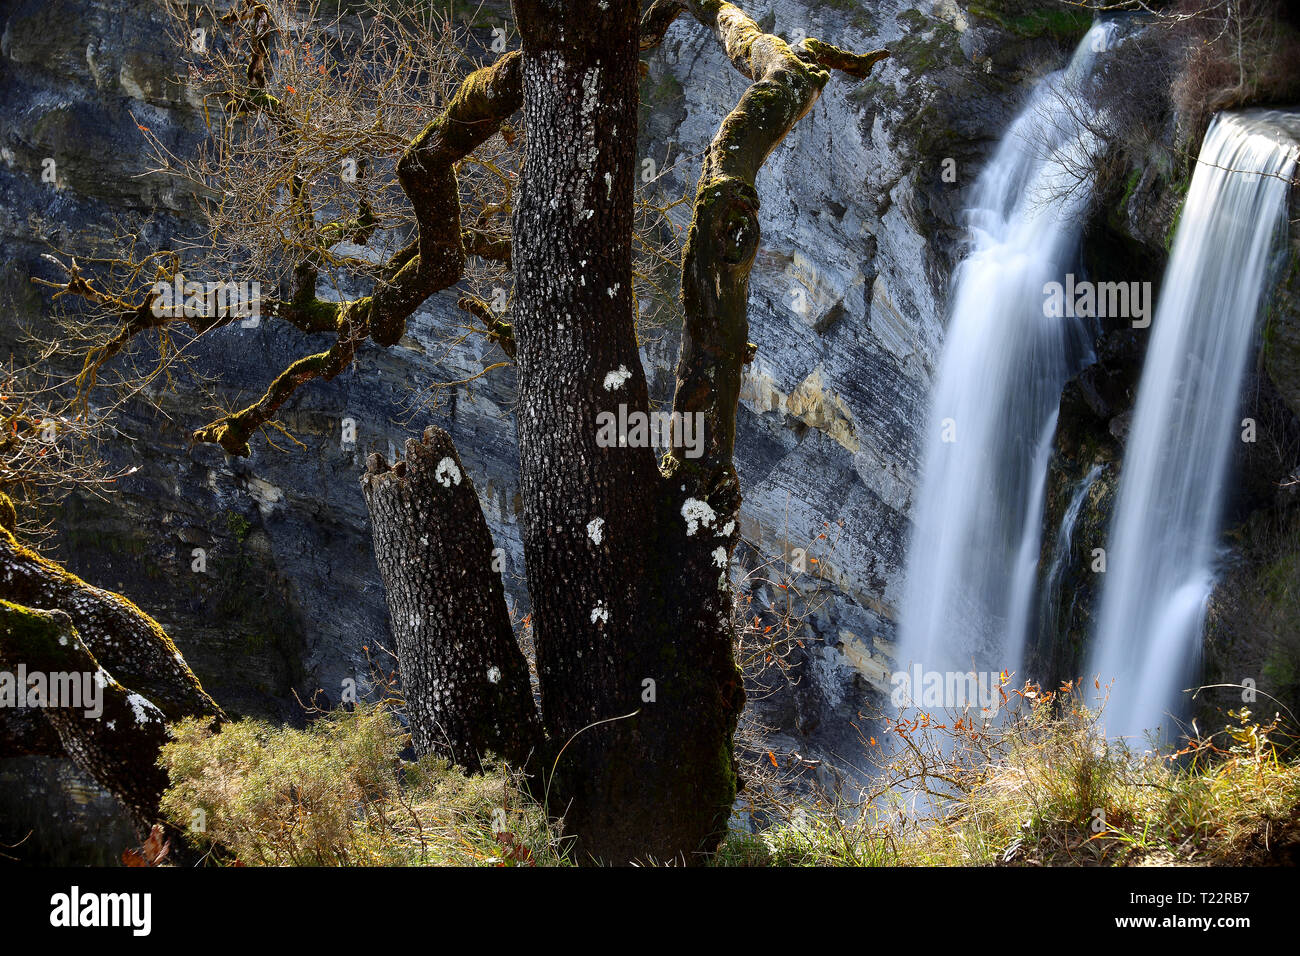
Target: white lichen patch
{"type": "Point", "coordinates": [727, 528]}
{"type": "Point", "coordinates": [494, 675]}
{"type": "Point", "coordinates": [720, 557]}
{"type": "Point", "coordinates": [596, 530]}
{"type": "Point", "coordinates": [447, 474]}
{"type": "Point", "coordinates": [142, 709]}
{"type": "Point", "coordinates": [617, 378]}
{"type": "Point", "coordinates": [697, 513]}
{"type": "Point", "coordinates": [599, 613]}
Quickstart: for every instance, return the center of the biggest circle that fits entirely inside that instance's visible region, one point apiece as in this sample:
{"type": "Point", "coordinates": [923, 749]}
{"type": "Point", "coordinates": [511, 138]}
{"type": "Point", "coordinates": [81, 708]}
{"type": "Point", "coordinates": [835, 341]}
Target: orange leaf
{"type": "Point", "coordinates": [772, 757]}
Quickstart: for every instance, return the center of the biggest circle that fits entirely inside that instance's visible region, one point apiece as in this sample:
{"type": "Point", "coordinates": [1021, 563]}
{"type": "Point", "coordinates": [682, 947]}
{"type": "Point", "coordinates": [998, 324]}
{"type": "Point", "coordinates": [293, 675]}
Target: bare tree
{"type": "Point", "coordinates": [627, 556]}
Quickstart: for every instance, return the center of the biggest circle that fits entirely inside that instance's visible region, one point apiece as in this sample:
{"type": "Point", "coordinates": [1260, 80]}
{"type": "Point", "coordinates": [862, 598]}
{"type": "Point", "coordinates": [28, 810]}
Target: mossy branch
{"type": "Point", "coordinates": [724, 234]}
{"type": "Point", "coordinates": [116, 735]}
{"type": "Point", "coordinates": [435, 261]}
{"type": "Point", "coordinates": [126, 640]}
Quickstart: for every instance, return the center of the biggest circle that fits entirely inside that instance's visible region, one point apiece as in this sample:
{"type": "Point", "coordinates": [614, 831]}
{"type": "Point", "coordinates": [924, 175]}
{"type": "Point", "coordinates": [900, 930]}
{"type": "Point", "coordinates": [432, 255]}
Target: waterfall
{"type": "Point", "coordinates": [1164, 533]}
{"type": "Point", "coordinates": [973, 556]}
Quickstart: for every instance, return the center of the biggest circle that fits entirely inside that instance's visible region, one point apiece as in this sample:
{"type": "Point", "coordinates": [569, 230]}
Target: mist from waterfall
{"type": "Point", "coordinates": [973, 557]}
{"type": "Point", "coordinates": [1167, 519]}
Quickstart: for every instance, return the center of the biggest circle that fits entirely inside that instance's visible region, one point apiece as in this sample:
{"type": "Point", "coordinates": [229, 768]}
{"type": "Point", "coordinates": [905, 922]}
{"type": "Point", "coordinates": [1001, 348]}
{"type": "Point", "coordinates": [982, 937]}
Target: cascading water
{"type": "Point", "coordinates": [974, 550]}
{"type": "Point", "coordinates": [1049, 619]}
{"type": "Point", "coordinates": [1160, 563]}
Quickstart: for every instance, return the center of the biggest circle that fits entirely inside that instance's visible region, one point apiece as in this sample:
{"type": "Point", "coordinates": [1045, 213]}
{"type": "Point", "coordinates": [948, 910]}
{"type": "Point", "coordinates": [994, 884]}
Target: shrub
{"type": "Point", "coordinates": [338, 794]}
{"type": "Point", "coordinates": [1239, 54]}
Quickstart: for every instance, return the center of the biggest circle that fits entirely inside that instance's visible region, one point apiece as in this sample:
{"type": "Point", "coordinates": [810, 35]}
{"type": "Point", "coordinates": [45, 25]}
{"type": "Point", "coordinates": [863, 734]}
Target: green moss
{"type": "Point", "coordinates": [875, 94]}
{"type": "Point", "coordinates": [1173, 225]}
{"type": "Point", "coordinates": [238, 526]}
{"type": "Point", "coordinates": [29, 632]}
{"type": "Point", "coordinates": [667, 90]}
{"type": "Point", "coordinates": [1130, 187]}
{"type": "Point", "coordinates": [1061, 24]}
{"type": "Point", "coordinates": [865, 22]}
{"type": "Point", "coordinates": [1282, 669]}
{"type": "Point", "coordinates": [1288, 290]}
{"type": "Point", "coordinates": [913, 20]}
{"type": "Point", "coordinates": [927, 45]}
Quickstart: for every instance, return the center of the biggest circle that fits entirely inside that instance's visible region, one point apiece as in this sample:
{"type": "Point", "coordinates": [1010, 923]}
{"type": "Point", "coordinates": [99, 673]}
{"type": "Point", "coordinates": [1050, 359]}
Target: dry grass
{"type": "Point", "coordinates": [337, 794]}
{"type": "Point", "coordinates": [1040, 787]}
{"type": "Point", "coordinates": [1045, 787]}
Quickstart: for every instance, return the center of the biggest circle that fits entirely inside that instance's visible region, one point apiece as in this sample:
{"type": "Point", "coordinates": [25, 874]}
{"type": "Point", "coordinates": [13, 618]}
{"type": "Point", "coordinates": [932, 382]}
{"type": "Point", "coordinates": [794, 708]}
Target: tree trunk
{"type": "Point", "coordinates": [464, 678]}
{"type": "Point", "coordinates": [627, 561]}
{"type": "Point", "coordinates": [645, 767]}
{"type": "Point", "coordinates": [130, 644]}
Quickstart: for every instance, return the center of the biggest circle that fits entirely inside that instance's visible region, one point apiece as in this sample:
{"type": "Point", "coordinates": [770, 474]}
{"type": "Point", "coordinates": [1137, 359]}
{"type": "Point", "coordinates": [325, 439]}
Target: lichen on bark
{"type": "Point", "coordinates": [464, 679]}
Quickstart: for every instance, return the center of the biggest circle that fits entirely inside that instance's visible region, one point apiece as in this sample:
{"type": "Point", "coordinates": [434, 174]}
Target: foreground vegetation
{"type": "Point", "coordinates": [1042, 787]}
{"type": "Point", "coordinates": [339, 794]}
{"type": "Point", "coordinates": [1056, 793]}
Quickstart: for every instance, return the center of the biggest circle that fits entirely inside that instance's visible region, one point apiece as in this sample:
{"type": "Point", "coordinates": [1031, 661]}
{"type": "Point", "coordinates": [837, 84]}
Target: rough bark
{"type": "Point", "coordinates": [53, 622]}
{"type": "Point", "coordinates": [127, 642]}
{"type": "Point", "coordinates": [25, 733]}
{"type": "Point", "coordinates": [464, 678]}
{"type": "Point", "coordinates": [633, 775]}
{"type": "Point", "coordinates": [119, 746]}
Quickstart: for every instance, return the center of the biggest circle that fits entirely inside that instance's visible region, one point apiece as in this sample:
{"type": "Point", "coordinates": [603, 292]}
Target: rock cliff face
{"type": "Point", "coordinates": [861, 227]}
